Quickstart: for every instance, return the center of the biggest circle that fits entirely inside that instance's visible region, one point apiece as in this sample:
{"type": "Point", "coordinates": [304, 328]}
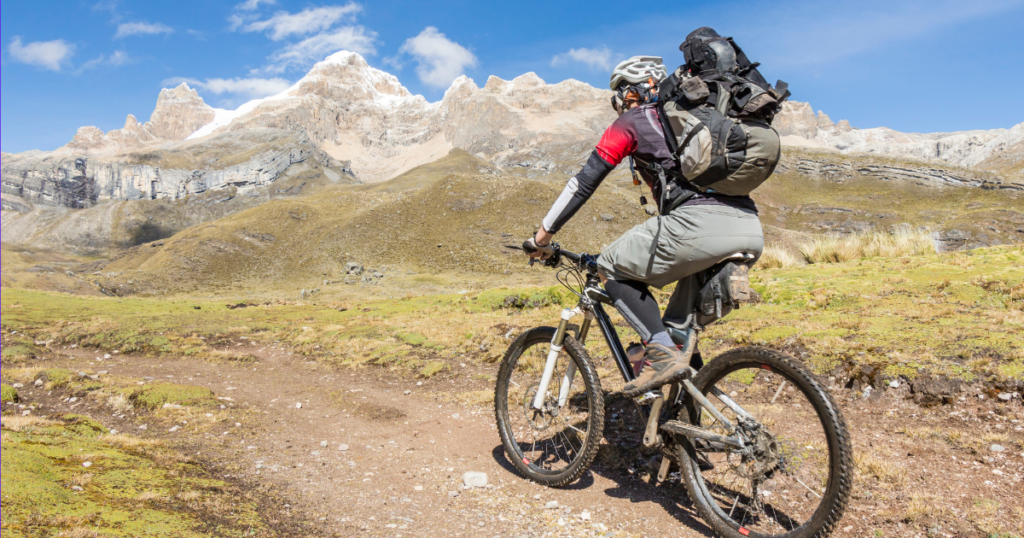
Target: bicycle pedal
{"type": "Point", "coordinates": [648, 397]}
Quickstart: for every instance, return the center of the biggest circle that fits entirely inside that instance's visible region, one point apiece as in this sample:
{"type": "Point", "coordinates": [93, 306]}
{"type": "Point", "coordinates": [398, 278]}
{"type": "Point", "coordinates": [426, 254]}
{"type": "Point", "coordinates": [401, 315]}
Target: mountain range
{"type": "Point", "coordinates": [346, 123]}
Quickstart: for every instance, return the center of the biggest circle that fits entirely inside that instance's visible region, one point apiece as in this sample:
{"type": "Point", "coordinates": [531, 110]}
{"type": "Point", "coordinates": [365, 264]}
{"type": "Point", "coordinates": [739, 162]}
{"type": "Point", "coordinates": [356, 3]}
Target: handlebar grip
{"type": "Point", "coordinates": [528, 247]}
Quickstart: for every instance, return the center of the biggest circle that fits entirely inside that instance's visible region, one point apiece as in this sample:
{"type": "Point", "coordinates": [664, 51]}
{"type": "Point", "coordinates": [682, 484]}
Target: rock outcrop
{"type": "Point", "coordinates": [1000, 150]}
{"type": "Point", "coordinates": [179, 112]}
{"type": "Point", "coordinates": [79, 182]}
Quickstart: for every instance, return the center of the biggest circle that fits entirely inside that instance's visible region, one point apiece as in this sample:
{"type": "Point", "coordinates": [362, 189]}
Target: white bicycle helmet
{"type": "Point", "coordinates": [638, 70]}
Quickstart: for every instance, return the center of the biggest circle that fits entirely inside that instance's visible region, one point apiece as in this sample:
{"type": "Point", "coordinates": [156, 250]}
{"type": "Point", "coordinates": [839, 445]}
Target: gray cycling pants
{"type": "Point", "coordinates": [687, 241]}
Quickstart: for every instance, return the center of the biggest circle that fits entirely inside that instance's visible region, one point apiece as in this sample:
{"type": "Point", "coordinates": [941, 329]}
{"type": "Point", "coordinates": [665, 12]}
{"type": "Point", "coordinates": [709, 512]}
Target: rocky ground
{"type": "Point", "coordinates": [371, 453]}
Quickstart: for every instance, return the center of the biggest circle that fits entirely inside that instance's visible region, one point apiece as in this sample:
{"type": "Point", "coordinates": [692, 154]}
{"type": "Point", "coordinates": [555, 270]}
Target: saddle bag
{"type": "Point", "coordinates": [724, 290]}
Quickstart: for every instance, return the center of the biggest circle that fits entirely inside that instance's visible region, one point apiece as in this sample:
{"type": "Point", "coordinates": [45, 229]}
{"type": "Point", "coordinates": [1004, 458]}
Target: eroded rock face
{"type": "Point", "coordinates": [179, 112]}
{"type": "Point", "coordinates": [52, 179]}
{"type": "Point", "coordinates": [999, 150]}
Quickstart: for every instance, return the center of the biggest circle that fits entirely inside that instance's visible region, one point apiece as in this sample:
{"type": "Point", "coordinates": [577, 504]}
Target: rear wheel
{"type": "Point", "coordinates": [794, 475]}
{"type": "Point", "coordinates": [555, 445]}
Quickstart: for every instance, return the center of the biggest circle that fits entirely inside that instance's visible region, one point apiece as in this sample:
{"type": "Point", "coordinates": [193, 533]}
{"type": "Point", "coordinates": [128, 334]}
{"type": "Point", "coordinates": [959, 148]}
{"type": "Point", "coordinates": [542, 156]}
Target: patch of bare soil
{"type": "Point", "coordinates": [367, 453]}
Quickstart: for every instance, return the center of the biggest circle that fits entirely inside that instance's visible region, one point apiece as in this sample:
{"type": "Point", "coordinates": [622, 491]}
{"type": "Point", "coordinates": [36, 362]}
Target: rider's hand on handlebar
{"type": "Point", "coordinates": [536, 251]}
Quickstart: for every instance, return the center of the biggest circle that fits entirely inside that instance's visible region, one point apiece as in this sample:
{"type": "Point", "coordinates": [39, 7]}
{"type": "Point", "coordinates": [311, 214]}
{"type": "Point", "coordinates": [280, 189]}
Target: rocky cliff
{"type": "Point", "coordinates": [999, 150]}
{"type": "Point", "coordinates": [58, 179]}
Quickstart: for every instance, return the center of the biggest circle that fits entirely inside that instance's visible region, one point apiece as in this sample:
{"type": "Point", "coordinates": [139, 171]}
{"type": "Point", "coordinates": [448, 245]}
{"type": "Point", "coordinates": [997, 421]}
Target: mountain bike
{"type": "Point", "coordinates": [761, 447]}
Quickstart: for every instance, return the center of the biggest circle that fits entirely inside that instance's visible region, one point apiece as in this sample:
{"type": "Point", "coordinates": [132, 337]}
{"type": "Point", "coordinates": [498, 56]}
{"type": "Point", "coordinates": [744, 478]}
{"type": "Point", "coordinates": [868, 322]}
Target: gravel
{"type": "Point", "coordinates": [323, 444]}
{"type": "Point", "coordinates": [343, 448]}
{"type": "Point", "coordinates": [997, 448]}
{"type": "Point", "coordinates": [551, 505]}
{"type": "Point", "coordinates": [453, 494]}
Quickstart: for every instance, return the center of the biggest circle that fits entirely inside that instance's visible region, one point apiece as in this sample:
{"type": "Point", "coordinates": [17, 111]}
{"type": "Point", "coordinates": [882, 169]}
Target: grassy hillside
{"type": "Point", "coordinates": [957, 314]}
{"type": "Point", "coordinates": [450, 217]}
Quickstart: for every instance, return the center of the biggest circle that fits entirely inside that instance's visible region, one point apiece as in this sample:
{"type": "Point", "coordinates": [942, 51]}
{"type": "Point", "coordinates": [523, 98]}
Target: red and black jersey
{"type": "Point", "coordinates": [637, 133]}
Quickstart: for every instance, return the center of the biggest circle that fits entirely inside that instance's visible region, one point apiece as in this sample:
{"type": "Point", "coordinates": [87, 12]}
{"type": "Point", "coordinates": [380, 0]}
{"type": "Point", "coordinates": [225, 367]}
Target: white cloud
{"type": "Point", "coordinates": [593, 58]}
{"type": "Point", "coordinates": [318, 47]}
{"type": "Point", "coordinates": [250, 5]}
{"type": "Point", "coordinates": [116, 59]}
{"type": "Point", "coordinates": [49, 54]}
{"type": "Point", "coordinates": [142, 28]}
{"type": "Point", "coordinates": [244, 88]}
{"type": "Point", "coordinates": [440, 59]}
{"type": "Point", "coordinates": [308, 21]}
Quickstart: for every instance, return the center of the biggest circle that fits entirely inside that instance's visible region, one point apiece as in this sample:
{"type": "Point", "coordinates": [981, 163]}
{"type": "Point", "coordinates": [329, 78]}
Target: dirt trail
{"type": "Point", "coordinates": [401, 474]}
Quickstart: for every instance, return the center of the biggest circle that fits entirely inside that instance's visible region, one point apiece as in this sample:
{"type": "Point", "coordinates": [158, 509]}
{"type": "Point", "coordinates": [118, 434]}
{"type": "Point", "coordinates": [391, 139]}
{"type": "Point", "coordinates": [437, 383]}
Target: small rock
{"type": "Point", "coordinates": [894, 384]}
{"type": "Point", "coordinates": [72, 400]}
{"type": "Point", "coordinates": [419, 383]}
{"type": "Point", "coordinates": [102, 372]}
{"type": "Point", "coordinates": [607, 218]}
{"type": "Point", "coordinates": [76, 488]}
{"type": "Point", "coordinates": [144, 427]}
{"type": "Point", "coordinates": [343, 448]}
{"type": "Point", "coordinates": [315, 452]}
{"type": "Point", "coordinates": [474, 479]}
{"type": "Point", "coordinates": [417, 488]}
{"type": "Point", "coordinates": [86, 464]}
{"type": "Point", "coordinates": [481, 524]}
{"type": "Point", "coordinates": [106, 355]}
{"type": "Point", "coordinates": [38, 383]}
{"type": "Point", "coordinates": [456, 416]}
{"type": "Point", "coordinates": [997, 448]}
{"type": "Point", "coordinates": [453, 494]}
{"type": "Point", "coordinates": [561, 522]}
{"type": "Point", "coordinates": [585, 516]}
{"type": "Point", "coordinates": [567, 510]}
{"type": "Point", "coordinates": [408, 392]}
{"type": "Point", "coordinates": [323, 444]}
{"type": "Point", "coordinates": [18, 385]}
{"type": "Point", "coordinates": [551, 505]}
{"type": "Point", "coordinates": [536, 497]}
{"type": "Point", "coordinates": [298, 405]}
{"type": "Point", "coordinates": [867, 392]}
{"type": "Point", "coordinates": [1004, 396]}
{"type": "Point", "coordinates": [174, 429]}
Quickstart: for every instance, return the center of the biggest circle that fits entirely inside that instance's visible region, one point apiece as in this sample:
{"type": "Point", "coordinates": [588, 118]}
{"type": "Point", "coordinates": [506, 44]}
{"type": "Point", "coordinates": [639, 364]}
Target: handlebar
{"type": "Point", "coordinates": [584, 261]}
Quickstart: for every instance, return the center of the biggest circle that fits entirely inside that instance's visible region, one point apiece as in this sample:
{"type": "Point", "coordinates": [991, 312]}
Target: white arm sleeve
{"type": "Point", "coordinates": [560, 205]}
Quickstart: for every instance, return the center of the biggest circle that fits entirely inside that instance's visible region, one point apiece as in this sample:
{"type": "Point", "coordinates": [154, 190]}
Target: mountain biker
{"type": "Point", "coordinates": [694, 232]}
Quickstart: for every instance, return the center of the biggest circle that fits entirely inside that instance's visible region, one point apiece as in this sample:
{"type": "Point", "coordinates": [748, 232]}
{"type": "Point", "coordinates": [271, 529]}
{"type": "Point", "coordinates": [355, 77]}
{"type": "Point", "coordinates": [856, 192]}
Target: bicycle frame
{"type": "Point", "coordinates": [591, 306]}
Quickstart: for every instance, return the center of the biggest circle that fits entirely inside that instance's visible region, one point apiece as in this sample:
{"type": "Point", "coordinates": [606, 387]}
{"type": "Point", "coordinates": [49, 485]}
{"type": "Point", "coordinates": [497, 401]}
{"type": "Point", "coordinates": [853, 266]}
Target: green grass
{"type": "Point", "coordinates": [8, 394]}
{"type": "Point", "coordinates": [156, 395]}
{"type": "Point", "coordinates": [958, 314]}
{"type": "Point", "coordinates": [131, 487]}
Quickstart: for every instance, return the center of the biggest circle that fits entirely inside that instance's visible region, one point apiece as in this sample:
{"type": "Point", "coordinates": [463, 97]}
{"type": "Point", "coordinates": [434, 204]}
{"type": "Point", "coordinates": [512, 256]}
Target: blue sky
{"type": "Point", "coordinates": [918, 66]}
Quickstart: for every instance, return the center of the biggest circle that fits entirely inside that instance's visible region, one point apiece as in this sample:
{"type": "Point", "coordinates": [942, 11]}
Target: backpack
{"type": "Point", "coordinates": [720, 99]}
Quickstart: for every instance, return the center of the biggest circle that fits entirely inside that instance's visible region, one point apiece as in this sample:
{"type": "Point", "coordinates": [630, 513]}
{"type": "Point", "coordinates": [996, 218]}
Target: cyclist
{"type": "Point", "coordinates": [695, 230]}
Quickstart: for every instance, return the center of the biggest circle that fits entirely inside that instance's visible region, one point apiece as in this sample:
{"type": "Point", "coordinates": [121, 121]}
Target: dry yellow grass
{"type": "Point", "coordinates": [776, 257]}
{"type": "Point", "coordinates": [18, 424]}
{"type": "Point", "coordinates": [885, 470]}
{"type": "Point", "coordinates": [834, 248]}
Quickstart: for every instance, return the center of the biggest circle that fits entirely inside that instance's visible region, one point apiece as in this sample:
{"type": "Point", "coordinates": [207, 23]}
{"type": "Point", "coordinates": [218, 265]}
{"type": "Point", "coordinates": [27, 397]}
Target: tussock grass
{"type": "Point", "coordinates": [776, 257]}
{"type": "Point", "coordinates": [834, 248]}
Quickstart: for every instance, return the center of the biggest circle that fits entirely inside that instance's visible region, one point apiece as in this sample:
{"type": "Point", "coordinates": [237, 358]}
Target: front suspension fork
{"type": "Point", "coordinates": [556, 348]}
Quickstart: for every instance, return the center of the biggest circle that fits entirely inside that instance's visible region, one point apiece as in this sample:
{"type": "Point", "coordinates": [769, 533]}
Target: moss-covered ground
{"type": "Point", "coordinates": [68, 476]}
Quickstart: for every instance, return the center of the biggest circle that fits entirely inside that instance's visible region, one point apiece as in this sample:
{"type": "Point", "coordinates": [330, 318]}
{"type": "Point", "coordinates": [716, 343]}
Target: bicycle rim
{"type": "Point", "coordinates": [552, 440]}
{"type": "Point", "coordinates": [778, 484]}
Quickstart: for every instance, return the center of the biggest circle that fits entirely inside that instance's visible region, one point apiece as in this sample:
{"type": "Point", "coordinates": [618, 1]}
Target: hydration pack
{"type": "Point", "coordinates": [719, 102]}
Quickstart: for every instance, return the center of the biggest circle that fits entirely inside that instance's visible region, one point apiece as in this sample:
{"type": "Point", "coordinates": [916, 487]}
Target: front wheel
{"type": "Point", "coordinates": [792, 477]}
{"type": "Point", "coordinates": [554, 445]}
